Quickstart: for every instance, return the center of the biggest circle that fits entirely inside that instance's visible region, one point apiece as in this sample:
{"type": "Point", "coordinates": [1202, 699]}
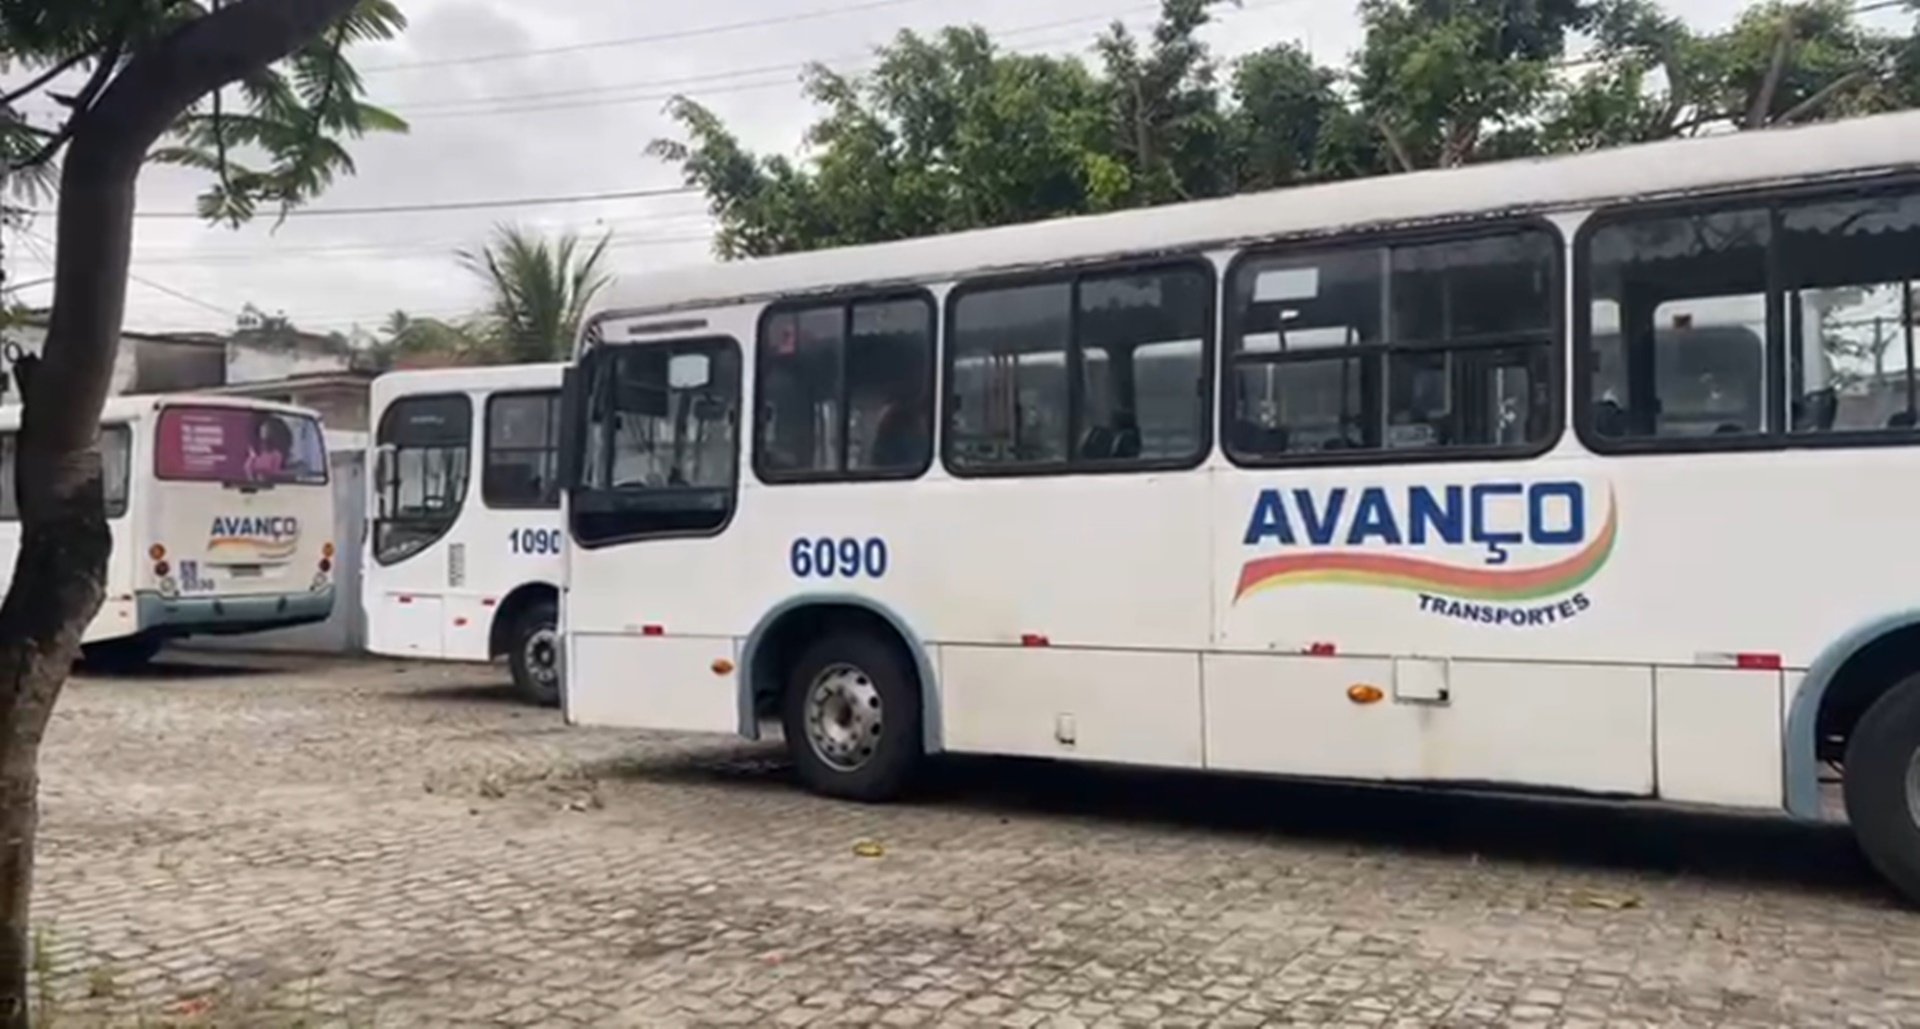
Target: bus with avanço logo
{"type": "Point", "coordinates": [1588, 475]}
{"type": "Point", "coordinates": [460, 570]}
{"type": "Point", "coordinates": [222, 521]}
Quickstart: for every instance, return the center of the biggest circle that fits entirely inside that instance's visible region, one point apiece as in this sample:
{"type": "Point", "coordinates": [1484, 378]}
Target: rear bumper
{"type": "Point", "coordinates": [218, 616]}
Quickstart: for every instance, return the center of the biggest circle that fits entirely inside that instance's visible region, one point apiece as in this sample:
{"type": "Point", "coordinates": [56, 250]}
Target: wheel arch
{"type": "Point", "coordinates": [773, 641]}
{"type": "Point", "coordinates": [507, 614]}
{"type": "Point", "coordinates": [1841, 683]}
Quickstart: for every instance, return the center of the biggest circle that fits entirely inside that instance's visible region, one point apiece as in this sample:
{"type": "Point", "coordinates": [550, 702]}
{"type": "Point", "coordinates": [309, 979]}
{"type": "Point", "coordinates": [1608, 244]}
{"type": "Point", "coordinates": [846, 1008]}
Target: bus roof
{"type": "Point", "coordinates": [486, 378]}
{"type": "Point", "coordinates": [128, 408]}
{"type": "Point", "coordinates": [1857, 147]}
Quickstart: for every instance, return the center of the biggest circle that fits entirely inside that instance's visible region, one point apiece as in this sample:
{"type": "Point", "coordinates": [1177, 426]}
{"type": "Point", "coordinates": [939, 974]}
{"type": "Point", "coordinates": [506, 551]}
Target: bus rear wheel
{"type": "Point", "coordinates": [851, 714]}
{"type": "Point", "coordinates": [1882, 783]}
{"type": "Point", "coordinates": [534, 655]}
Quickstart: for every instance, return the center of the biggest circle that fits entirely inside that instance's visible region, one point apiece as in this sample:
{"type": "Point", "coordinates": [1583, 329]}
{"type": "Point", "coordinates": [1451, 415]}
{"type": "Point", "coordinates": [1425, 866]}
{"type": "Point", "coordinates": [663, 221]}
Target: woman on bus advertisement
{"type": "Point", "coordinates": [238, 445]}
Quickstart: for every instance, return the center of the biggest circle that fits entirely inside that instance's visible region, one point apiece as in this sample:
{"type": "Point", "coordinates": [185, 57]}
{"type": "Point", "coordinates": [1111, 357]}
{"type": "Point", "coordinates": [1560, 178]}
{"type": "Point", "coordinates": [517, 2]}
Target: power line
{"type": "Point", "coordinates": [865, 57]}
{"type": "Point", "coordinates": [658, 37]}
{"type": "Point", "coordinates": [376, 252]}
{"type": "Point", "coordinates": [38, 244]}
{"type": "Point", "coordinates": [462, 205]}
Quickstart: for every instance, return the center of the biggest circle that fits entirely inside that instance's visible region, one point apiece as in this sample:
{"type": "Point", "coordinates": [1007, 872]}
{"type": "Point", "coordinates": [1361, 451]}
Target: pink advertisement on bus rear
{"type": "Point", "coordinates": [233, 444]}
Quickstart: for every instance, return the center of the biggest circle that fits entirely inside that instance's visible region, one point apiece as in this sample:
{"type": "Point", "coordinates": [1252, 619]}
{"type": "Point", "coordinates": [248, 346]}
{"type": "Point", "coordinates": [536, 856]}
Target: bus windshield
{"type": "Point", "coordinates": [239, 445]}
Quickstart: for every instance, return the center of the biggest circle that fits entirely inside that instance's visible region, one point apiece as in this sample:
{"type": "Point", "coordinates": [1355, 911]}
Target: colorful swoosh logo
{"type": "Point", "coordinates": [1390, 571]}
{"type": "Point", "coordinates": [265, 549]}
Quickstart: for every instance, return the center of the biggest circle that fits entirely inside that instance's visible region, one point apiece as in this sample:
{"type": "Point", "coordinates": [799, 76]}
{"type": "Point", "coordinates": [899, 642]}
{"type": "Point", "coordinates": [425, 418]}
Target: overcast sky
{"type": "Point", "coordinates": [494, 129]}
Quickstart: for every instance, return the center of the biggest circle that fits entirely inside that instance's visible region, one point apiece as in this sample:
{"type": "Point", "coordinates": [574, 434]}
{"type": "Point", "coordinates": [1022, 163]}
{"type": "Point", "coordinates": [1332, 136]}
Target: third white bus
{"type": "Point", "coordinates": [463, 558]}
{"type": "Point", "coordinates": [1594, 474]}
{"type": "Point", "coordinates": [222, 521]}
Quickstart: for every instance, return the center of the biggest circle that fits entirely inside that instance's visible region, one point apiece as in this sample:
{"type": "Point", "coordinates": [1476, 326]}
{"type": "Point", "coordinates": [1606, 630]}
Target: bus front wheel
{"type": "Point", "coordinates": [852, 718]}
{"type": "Point", "coordinates": [535, 653]}
{"type": "Point", "coordinates": [1882, 783]}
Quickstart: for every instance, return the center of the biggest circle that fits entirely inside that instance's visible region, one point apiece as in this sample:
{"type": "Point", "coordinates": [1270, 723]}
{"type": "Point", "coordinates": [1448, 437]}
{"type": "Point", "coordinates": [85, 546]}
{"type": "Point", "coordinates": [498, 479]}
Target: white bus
{"type": "Point", "coordinates": [1588, 474]}
{"type": "Point", "coordinates": [221, 515]}
{"type": "Point", "coordinates": [458, 570]}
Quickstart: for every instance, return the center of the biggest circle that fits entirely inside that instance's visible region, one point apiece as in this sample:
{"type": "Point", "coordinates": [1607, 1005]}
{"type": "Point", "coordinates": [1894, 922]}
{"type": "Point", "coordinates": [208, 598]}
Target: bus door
{"type": "Point", "coordinates": [651, 453]}
{"type": "Point", "coordinates": [422, 464]}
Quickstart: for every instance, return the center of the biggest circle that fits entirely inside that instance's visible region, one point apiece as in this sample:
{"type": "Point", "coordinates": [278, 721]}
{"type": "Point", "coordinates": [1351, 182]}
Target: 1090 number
{"type": "Point", "coordinates": [534, 541]}
{"type": "Point", "coordinates": [847, 558]}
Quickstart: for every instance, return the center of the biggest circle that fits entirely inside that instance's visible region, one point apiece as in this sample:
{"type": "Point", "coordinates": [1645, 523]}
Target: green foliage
{"type": "Point", "coordinates": [276, 140]}
{"type": "Point", "coordinates": [405, 338]}
{"type": "Point", "coordinates": [1779, 64]}
{"type": "Point", "coordinates": [1443, 79]}
{"type": "Point", "coordinates": [951, 133]}
{"type": "Point", "coordinates": [540, 289]}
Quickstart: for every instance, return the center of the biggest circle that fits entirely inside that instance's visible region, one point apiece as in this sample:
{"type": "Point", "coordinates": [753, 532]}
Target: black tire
{"type": "Point", "coordinates": [1882, 784]}
{"type": "Point", "coordinates": [533, 653]}
{"type": "Point", "coordinates": [121, 656]}
{"type": "Point", "coordinates": [873, 766]}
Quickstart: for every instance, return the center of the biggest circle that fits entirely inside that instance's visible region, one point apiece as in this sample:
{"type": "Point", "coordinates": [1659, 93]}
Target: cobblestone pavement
{"type": "Point", "coordinates": [289, 842]}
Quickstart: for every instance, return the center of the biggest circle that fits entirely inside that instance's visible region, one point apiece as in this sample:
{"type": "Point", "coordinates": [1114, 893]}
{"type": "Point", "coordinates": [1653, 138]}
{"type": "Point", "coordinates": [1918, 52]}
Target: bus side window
{"type": "Point", "coordinates": [116, 464]}
{"type": "Point", "coordinates": [1677, 327]}
{"type": "Point", "coordinates": [1100, 370]}
{"type": "Point", "coordinates": [844, 390]}
{"type": "Point", "coordinates": [522, 465]}
{"type": "Point", "coordinates": [1849, 267]}
{"type": "Point", "coordinates": [1383, 347]}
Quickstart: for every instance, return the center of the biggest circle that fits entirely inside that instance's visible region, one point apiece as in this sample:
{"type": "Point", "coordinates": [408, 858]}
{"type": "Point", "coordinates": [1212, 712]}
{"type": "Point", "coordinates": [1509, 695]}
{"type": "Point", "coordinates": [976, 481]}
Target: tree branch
{"type": "Point", "coordinates": [1395, 147]}
{"type": "Point", "coordinates": [109, 59]}
{"type": "Point", "coordinates": [1763, 99]}
{"type": "Point", "coordinates": [1812, 104]}
{"type": "Point", "coordinates": [48, 76]}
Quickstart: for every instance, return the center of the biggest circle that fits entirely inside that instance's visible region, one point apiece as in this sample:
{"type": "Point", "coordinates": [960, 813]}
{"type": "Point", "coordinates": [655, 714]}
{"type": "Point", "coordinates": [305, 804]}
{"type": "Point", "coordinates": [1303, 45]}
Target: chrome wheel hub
{"type": "Point", "coordinates": [843, 717]}
{"type": "Point", "coordinates": [543, 657]}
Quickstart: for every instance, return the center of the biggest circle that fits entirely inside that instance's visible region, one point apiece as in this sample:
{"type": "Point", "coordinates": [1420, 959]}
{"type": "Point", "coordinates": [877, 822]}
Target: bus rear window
{"type": "Point", "coordinates": [239, 445]}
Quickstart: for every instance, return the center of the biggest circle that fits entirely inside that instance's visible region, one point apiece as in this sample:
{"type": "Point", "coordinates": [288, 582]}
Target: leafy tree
{"type": "Point", "coordinates": [130, 74]}
{"type": "Point", "coordinates": [1447, 82]}
{"type": "Point", "coordinates": [1289, 123]}
{"type": "Point", "coordinates": [1779, 64]}
{"type": "Point", "coordinates": [405, 337]}
{"type": "Point", "coordinates": [947, 133]}
{"type": "Point", "coordinates": [541, 291]}
{"type": "Point", "coordinates": [1167, 128]}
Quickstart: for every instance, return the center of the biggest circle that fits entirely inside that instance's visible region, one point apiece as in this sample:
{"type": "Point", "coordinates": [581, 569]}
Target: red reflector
{"type": "Point", "coordinates": [1757, 662]}
{"type": "Point", "coordinates": [326, 565]}
{"type": "Point", "coordinates": [1034, 639]}
{"type": "Point", "coordinates": [653, 630]}
{"type": "Point", "coordinates": [489, 602]}
{"type": "Point", "coordinates": [459, 623]}
{"type": "Point", "coordinates": [404, 600]}
{"type": "Point", "coordinates": [1322, 650]}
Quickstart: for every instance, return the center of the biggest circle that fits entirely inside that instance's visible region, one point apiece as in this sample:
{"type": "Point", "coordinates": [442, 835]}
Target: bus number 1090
{"type": "Point", "coordinates": [534, 541]}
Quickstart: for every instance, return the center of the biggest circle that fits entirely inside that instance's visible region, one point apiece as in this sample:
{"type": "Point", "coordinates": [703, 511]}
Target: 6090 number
{"type": "Point", "coordinates": [828, 558]}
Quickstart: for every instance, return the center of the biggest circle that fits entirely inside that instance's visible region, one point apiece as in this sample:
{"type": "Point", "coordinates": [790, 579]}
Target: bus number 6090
{"type": "Point", "coordinates": [847, 558]}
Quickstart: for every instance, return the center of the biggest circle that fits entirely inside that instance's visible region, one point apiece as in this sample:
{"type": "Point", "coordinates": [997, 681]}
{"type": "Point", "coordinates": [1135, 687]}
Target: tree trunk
{"type": "Point", "coordinates": [60, 574]}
